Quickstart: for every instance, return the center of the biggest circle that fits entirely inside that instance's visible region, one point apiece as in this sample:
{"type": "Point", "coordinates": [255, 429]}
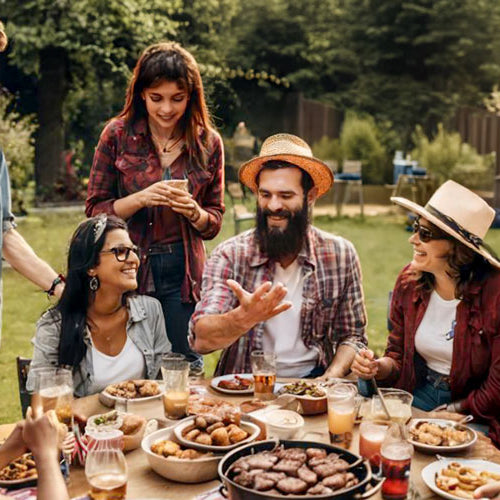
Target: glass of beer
{"type": "Point", "coordinates": [106, 469]}
{"type": "Point", "coordinates": [371, 437]}
{"type": "Point", "coordinates": [341, 413]}
{"type": "Point", "coordinates": [55, 390]}
{"type": "Point", "coordinates": [175, 372]}
{"type": "Point", "coordinates": [396, 453]}
{"type": "Point", "coordinates": [264, 374]}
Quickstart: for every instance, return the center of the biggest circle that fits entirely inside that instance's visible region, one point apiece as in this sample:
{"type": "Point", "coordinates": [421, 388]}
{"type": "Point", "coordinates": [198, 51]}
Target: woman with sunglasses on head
{"type": "Point", "coordinates": [163, 133]}
{"type": "Point", "coordinates": [444, 344]}
{"type": "Point", "coordinates": [100, 328]}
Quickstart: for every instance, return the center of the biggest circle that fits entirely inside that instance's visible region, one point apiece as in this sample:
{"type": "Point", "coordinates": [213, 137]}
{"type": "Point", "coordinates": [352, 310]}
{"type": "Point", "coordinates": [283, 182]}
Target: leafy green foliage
{"type": "Point", "coordinates": [360, 140]}
{"type": "Point", "coordinates": [17, 143]}
{"type": "Point", "coordinates": [447, 157]}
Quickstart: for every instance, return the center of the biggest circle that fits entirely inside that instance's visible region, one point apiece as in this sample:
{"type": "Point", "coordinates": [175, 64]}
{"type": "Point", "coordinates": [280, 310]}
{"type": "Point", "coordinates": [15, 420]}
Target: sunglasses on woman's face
{"type": "Point", "coordinates": [123, 253]}
{"type": "Point", "coordinates": [425, 234]}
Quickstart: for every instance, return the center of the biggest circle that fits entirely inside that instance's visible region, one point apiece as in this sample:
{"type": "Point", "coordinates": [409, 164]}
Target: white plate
{"type": "Point", "coordinates": [215, 381]}
{"type": "Point", "coordinates": [109, 400]}
{"type": "Point", "coordinates": [252, 429]}
{"type": "Point", "coordinates": [429, 472]}
{"type": "Point", "coordinates": [428, 448]}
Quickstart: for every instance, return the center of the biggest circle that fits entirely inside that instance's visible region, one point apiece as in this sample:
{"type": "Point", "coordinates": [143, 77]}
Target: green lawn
{"type": "Point", "coordinates": [381, 243]}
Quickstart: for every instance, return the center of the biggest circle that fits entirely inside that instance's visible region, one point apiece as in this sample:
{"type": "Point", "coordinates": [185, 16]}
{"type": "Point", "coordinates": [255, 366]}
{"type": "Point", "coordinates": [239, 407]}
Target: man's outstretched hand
{"type": "Point", "coordinates": [261, 305]}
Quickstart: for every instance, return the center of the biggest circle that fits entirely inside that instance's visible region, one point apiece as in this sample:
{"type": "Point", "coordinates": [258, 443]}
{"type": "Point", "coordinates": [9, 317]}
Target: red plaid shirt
{"type": "Point", "coordinates": [126, 161]}
{"type": "Point", "coordinates": [475, 365]}
{"type": "Point", "coordinates": [333, 310]}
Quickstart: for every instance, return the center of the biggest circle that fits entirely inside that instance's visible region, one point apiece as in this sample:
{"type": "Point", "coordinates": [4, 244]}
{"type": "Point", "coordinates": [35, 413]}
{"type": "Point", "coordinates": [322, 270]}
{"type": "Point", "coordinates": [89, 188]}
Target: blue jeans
{"type": "Point", "coordinates": [168, 274]}
{"type": "Point", "coordinates": [425, 397]}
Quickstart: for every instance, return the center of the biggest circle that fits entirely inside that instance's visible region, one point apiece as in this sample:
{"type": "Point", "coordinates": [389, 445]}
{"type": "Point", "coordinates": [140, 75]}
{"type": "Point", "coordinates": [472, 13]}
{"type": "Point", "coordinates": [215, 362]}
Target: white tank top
{"type": "Point", "coordinates": [128, 364]}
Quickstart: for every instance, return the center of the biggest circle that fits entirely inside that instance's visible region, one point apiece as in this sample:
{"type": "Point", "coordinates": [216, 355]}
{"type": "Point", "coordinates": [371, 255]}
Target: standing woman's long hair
{"type": "Point", "coordinates": [84, 248]}
{"type": "Point", "coordinates": [168, 61]}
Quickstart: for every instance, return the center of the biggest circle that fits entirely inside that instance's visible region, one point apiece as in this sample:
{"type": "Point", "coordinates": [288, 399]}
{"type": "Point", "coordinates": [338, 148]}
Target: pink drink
{"type": "Point", "coordinates": [371, 437]}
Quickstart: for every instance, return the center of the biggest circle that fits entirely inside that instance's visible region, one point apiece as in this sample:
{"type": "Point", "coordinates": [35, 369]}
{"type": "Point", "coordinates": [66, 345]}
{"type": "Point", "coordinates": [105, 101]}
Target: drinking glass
{"type": "Point", "coordinates": [341, 413]}
{"type": "Point", "coordinates": [106, 469]}
{"type": "Point", "coordinates": [264, 374]}
{"type": "Point", "coordinates": [371, 437]}
{"type": "Point", "coordinates": [396, 453]}
{"type": "Point", "coordinates": [175, 372]}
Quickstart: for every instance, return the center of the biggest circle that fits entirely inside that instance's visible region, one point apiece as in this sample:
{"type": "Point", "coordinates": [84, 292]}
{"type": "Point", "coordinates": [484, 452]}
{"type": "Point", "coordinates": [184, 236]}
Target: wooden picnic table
{"type": "Point", "coordinates": [144, 483]}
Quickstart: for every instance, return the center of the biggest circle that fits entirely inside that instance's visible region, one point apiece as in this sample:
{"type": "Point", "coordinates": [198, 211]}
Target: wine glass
{"type": "Point", "coordinates": [55, 392]}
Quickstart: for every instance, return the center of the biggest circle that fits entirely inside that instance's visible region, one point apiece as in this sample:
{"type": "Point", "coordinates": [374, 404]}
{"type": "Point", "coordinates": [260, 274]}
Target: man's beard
{"type": "Point", "coordinates": [276, 242]}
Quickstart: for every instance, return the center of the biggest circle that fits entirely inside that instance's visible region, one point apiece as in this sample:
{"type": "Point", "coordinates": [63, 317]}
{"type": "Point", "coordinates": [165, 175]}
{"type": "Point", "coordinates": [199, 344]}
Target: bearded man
{"type": "Point", "coordinates": [284, 286]}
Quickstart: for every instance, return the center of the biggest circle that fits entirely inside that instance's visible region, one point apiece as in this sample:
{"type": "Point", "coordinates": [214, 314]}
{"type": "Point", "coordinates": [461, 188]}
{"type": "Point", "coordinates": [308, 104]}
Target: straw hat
{"type": "Point", "coordinates": [459, 212]}
{"type": "Point", "coordinates": [293, 149]}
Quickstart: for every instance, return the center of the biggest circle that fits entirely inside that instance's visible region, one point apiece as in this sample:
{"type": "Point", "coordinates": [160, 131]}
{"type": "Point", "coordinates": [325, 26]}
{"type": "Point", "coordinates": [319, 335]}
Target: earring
{"type": "Point", "coordinates": [94, 283]}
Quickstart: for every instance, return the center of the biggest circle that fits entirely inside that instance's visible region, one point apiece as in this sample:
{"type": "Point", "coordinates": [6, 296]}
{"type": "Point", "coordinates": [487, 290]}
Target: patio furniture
{"type": "Point", "coordinates": [417, 188]}
{"type": "Point", "coordinates": [350, 176]}
{"type": "Point", "coordinates": [239, 211]}
{"type": "Point", "coordinates": [23, 367]}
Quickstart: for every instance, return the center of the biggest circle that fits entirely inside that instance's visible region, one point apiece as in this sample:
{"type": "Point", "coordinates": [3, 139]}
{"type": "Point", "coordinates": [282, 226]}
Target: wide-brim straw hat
{"type": "Point", "coordinates": [292, 149]}
{"type": "Point", "coordinates": [459, 212]}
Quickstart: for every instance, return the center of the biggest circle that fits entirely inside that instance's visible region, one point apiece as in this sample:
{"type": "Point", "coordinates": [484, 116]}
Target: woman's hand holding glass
{"type": "Point", "coordinates": [43, 433]}
{"type": "Point", "coordinates": [364, 364]}
{"type": "Point", "coordinates": [156, 195]}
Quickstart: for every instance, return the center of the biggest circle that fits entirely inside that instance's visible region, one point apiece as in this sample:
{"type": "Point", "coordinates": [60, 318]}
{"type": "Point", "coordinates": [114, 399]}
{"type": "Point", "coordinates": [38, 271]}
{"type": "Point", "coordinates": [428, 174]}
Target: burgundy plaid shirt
{"type": "Point", "coordinates": [126, 161]}
{"type": "Point", "coordinates": [475, 365]}
{"type": "Point", "coordinates": [333, 310]}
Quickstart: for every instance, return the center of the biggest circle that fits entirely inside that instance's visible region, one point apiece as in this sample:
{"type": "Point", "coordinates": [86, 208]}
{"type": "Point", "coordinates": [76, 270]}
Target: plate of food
{"type": "Point", "coordinates": [211, 433]}
{"type": "Point", "coordinates": [20, 473]}
{"type": "Point", "coordinates": [454, 479]}
{"type": "Point", "coordinates": [435, 435]}
{"type": "Point", "coordinates": [310, 395]}
{"type": "Point", "coordinates": [238, 383]}
{"type": "Point", "coordinates": [143, 390]}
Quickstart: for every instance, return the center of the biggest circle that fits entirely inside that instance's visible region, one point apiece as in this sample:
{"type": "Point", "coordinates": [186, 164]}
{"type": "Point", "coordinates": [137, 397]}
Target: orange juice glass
{"type": "Point", "coordinates": [341, 413]}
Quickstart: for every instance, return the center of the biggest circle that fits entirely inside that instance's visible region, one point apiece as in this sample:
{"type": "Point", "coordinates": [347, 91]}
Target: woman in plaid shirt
{"type": "Point", "coordinates": [159, 164]}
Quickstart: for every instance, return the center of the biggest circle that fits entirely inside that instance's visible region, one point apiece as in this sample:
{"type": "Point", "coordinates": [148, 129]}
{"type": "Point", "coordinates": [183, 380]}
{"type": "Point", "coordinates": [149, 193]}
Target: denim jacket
{"type": "Point", "coordinates": [7, 217]}
{"type": "Point", "coordinates": [145, 327]}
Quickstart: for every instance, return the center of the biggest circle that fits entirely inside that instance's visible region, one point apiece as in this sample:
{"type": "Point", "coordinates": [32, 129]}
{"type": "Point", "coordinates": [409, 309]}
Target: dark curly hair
{"type": "Point", "coordinates": [465, 266]}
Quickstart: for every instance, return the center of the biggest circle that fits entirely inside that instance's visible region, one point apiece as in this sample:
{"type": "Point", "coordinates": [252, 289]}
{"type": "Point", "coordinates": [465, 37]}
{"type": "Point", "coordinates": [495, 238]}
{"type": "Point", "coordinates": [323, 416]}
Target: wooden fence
{"type": "Point", "coordinates": [481, 129]}
{"type": "Point", "coordinates": [310, 119]}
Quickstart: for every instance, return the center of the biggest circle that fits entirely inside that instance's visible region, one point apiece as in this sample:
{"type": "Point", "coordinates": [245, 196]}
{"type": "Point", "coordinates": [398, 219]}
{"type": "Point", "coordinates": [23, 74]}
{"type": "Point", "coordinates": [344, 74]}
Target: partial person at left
{"type": "Point", "coordinates": [13, 247]}
{"type": "Point", "coordinates": [100, 328]}
{"type": "Point", "coordinates": [42, 435]}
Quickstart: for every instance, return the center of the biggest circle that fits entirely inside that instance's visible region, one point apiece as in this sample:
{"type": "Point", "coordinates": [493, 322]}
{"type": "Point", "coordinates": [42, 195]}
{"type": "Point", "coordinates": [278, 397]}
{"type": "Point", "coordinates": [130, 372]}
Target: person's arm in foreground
{"type": "Point", "coordinates": [13, 447]}
{"type": "Point", "coordinates": [18, 253]}
{"type": "Point", "coordinates": [217, 331]}
{"type": "Point", "coordinates": [41, 434]}
{"type": "Point", "coordinates": [491, 490]}
{"type": "Point", "coordinates": [350, 319]}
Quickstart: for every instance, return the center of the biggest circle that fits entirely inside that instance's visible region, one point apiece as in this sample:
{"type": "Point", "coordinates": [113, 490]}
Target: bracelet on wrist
{"type": "Point", "coordinates": [57, 281]}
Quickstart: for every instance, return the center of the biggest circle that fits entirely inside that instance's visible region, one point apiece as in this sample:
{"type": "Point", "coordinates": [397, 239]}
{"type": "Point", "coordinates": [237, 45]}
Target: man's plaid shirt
{"type": "Point", "coordinates": [333, 310]}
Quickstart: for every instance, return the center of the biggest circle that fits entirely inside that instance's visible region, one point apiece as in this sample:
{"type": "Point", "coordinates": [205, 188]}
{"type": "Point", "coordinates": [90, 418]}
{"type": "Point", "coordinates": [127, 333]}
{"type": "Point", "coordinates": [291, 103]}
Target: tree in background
{"type": "Point", "coordinates": [419, 60]}
{"type": "Point", "coordinates": [69, 45]}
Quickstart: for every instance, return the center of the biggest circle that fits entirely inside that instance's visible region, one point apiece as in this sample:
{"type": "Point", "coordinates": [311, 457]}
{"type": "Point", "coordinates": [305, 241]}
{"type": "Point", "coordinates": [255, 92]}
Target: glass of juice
{"type": "Point", "coordinates": [341, 413]}
{"type": "Point", "coordinates": [371, 437]}
{"type": "Point", "coordinates": [175, 372]}
{"type": "Point", "coordinates": [396, 453]}
{"type": "Point", "coordinates": [264, 374]}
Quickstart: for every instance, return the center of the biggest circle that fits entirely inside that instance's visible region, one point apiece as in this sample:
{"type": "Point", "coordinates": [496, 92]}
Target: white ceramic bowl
{"type": "Point", "coordinates": [182, 470]}
{"type": "Point", "coordinates": [110, 401]}
{"type": "Point", "coordinates": [252, 429]}
{"type": "Point", "coordinates": [283, 424]}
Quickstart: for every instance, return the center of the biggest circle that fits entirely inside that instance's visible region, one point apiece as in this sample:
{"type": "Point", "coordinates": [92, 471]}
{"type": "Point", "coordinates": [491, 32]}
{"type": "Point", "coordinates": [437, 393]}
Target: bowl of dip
{"type": "Point", "coordinates": [283, 424]}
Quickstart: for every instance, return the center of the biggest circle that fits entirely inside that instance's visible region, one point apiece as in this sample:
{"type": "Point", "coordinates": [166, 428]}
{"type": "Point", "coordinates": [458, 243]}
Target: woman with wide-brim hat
{"type": "Point", "coordinates": [444, 344]}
